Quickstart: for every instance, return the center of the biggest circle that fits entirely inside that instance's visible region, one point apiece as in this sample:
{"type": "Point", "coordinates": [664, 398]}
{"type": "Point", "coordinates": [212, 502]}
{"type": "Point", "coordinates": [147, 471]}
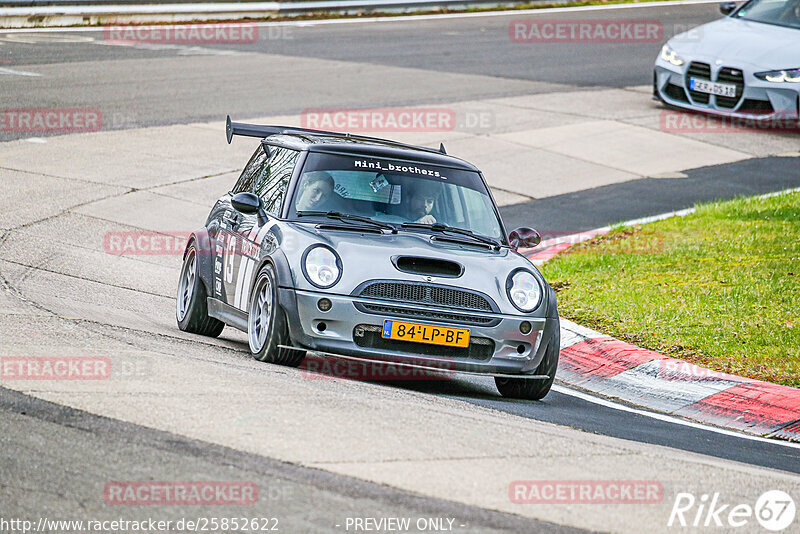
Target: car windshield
{"type": "Point", "coordinates": [396, 192]}
{"type": "Point", "coordinates": [780, 12]}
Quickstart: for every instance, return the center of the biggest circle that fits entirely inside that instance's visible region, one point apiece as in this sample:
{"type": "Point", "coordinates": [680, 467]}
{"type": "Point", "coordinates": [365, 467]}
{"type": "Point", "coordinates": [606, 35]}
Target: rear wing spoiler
{"type": "Point", "coordinates": [255, 130]}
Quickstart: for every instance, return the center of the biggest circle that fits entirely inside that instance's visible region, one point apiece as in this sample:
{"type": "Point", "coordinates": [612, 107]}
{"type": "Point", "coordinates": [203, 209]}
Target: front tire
{"type": "Point", "coordinates": [191, 304]}
{"type": "Point", "coordinates": [266, 322]}
{"type": "Point", "coordinates": [522, 388]}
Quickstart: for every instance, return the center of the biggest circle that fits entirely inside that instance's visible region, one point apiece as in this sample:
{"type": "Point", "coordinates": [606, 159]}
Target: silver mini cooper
{"type": "Point", "coordinates": [370, 250]}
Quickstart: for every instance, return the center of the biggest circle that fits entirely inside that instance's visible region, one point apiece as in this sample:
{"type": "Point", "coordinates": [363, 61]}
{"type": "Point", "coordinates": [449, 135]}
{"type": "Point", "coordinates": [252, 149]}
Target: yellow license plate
{"type": "Point", "coordinates": [425, 333]}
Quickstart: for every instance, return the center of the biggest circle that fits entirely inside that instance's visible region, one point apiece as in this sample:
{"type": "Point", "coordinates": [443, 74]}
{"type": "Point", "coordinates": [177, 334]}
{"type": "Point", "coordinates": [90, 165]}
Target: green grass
{"type": "Point", "coordinates": [719, 288]}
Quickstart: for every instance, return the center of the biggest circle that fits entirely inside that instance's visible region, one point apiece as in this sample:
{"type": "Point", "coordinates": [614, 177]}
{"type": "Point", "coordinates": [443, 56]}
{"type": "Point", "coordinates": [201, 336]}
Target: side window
{"type": "Point", "coordinates": [247, 180]}
{"type": "Point", "coordinates": [274, 178]}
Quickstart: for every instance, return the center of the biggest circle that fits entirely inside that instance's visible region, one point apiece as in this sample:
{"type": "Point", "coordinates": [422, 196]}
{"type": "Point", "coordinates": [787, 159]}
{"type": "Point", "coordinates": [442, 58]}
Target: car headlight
{"type": "Point", "coordinates": [779, 76]}
{"type": "Point", "coordinates": [321, 266]}
{"type": "Point", "coordinates": [524, 290]}
{"type": "Point", "coordinates": [669, 55]}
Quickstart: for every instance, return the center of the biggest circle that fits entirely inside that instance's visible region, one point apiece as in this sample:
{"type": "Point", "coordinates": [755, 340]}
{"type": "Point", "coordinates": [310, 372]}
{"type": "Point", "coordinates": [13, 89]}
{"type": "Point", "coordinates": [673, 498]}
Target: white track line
{"type": "Point", "coordinates": [17, 72]}
{"type": "Point", "coordinates": [406, 18]}
{"type": "Point", "coordinates": [669, 418]}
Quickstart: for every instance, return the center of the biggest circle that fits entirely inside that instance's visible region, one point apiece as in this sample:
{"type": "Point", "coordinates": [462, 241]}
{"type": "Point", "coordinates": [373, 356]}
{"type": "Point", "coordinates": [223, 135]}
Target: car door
{"type": "Point", "coordinates": [245, 235]}
{"type": "Point", "coordinates": [225, 229]}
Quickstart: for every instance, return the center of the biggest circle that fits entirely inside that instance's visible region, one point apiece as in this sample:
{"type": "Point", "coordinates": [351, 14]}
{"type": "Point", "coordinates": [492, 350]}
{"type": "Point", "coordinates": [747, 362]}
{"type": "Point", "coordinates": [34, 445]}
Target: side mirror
{"type": "Point", "coordinates": [248, 203]}
{"type": "Point", "coordinates": [726, 8]}
{"type": "Point", "coordinates": [524, 238]}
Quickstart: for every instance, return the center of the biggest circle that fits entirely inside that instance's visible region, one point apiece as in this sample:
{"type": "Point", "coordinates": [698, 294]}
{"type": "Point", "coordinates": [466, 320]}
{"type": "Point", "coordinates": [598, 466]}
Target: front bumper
{"type": "Point", "coordinates": [759, 100]}
{"type": "Point", "coordinates": [350, 331]}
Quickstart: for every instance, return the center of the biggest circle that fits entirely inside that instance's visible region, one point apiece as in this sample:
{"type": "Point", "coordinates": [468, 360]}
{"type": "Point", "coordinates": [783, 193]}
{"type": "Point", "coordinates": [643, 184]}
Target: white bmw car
{"type": "Point", "coordinates": [745, 65]}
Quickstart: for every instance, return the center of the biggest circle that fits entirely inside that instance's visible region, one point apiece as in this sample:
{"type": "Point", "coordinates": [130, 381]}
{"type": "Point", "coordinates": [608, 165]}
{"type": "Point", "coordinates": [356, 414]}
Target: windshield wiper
{"type": "Point", "coordinates": [348, 217]}
{"type": "Point", "coordinates": [443, 228]}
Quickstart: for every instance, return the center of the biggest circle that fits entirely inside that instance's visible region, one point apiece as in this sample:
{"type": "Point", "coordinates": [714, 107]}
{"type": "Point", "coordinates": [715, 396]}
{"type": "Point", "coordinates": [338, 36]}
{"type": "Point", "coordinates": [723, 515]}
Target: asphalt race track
{"type": "Point", "coordinates": [569, 140]}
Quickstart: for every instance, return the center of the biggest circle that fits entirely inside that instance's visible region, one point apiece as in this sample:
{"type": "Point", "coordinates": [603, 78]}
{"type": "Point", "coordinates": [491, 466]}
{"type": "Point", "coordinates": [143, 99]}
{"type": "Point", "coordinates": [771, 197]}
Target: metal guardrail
{"type": "Point", "coordinates": [41, 3]}
{"type": "Point", "coordinates": [46, 3]}
{"type": "Point", "coordinates": [231, 6]}
{"type": "Point", "coordinates": [55, 13]}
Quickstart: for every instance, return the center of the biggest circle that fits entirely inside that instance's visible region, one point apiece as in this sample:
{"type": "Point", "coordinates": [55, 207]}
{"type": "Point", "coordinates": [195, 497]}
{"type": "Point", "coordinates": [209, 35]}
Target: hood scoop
{"type": "Point", "coordinates": [428, 266]}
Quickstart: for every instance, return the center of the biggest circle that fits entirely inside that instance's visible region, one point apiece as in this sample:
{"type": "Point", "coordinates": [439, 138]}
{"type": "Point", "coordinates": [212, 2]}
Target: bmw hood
{"type": "Point", "coordinates": [738, 42]}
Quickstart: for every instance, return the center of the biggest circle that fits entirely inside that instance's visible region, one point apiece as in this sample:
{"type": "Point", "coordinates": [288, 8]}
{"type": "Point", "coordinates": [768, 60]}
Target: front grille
{"type": "Point", "coordinates": [701, 71]}
{"type": "Point", "coordinates": [676, 93]}
{"type": "Point", "coordinates": [369, 336]}
{"type": "Point", "coordinates": [426, 315]}
{"type": "Point", "coordinates": [731, 76]}
{"type": "Point", "coordinates": [428, 294]}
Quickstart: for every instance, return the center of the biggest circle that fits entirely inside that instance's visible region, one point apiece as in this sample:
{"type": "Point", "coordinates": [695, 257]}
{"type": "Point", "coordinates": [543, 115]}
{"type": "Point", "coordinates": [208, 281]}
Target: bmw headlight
{"type": "Point", "coordinates": [779, 76]}
{"type": "Point", "coordinates": [669, 55]}
{"type": "Point", "coordinates": [524, 290]}
{"type": "Point", "coordinates": [322, 266]}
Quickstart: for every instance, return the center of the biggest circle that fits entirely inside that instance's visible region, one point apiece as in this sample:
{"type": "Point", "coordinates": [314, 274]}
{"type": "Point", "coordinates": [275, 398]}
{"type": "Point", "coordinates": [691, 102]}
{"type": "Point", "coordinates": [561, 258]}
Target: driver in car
{"type": "Point", "coordinates": [315, 192]}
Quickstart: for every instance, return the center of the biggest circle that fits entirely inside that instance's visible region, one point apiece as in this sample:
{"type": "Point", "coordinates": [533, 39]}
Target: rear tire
{"type": "Point", "coordinates": [522, 388]}
{"type": "Point", "coordinates": [266, 323]}
{"type": "Point", "coordinates": [191, 304]}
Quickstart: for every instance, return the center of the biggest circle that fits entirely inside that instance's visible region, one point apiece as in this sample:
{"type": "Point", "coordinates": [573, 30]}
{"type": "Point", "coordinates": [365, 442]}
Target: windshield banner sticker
{"type": "Point", "coordinates": [388, 167]}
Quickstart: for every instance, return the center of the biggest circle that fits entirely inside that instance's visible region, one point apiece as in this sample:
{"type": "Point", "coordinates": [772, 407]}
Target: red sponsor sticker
{"type": "Point", "coordinates": [586, 492]}
{"type": "Point", "coordinates": [585, 31]}
{"type": "Point", "coordinates": [380, 119]}
{"type": "Point", "coordinates": [55, 367]}
{"type": "Point", "coordinates": [192, 34]}
{"type": "Point", "coordinates": [50, 120]}
{"type": "Point", "coordinates": [180, 493]}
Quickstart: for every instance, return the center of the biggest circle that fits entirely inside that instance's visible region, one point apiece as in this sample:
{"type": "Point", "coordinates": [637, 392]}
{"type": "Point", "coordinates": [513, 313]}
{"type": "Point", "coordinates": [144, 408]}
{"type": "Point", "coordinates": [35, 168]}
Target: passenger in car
{"type": "Point", "coordinates": [420, 201]}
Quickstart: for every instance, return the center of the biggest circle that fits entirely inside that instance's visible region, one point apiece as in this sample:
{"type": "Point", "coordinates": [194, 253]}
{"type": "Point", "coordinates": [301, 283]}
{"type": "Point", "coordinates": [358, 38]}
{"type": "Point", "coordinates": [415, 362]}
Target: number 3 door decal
{"type": "Point", "coordinates": [230, 256]}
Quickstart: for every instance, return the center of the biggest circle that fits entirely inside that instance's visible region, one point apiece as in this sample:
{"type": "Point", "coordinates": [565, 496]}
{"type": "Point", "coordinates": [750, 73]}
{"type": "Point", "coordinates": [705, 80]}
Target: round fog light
{"type": "Point", "coordinates": [324, 305]}
{"type": "Point", "coordinates": [525, 327]}
{"type": "Point", "coordinates": [322, 327]}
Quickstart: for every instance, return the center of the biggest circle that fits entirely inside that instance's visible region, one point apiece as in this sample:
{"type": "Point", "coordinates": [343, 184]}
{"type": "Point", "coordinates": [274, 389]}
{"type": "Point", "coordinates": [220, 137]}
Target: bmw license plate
{"type": "Point", "coordinates": [712, 88]}
{"type": "Point", "coordinates": [425, 333]}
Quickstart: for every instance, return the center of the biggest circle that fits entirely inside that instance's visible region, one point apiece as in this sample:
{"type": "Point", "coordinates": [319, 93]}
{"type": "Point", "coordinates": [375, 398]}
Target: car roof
{"type": "Point", "coordinates": [367, 146]}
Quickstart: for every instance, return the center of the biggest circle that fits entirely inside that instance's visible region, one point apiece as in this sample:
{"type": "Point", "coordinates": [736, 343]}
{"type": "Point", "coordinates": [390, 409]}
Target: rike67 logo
{"type": "Point", "coordinates": [775, 511]}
